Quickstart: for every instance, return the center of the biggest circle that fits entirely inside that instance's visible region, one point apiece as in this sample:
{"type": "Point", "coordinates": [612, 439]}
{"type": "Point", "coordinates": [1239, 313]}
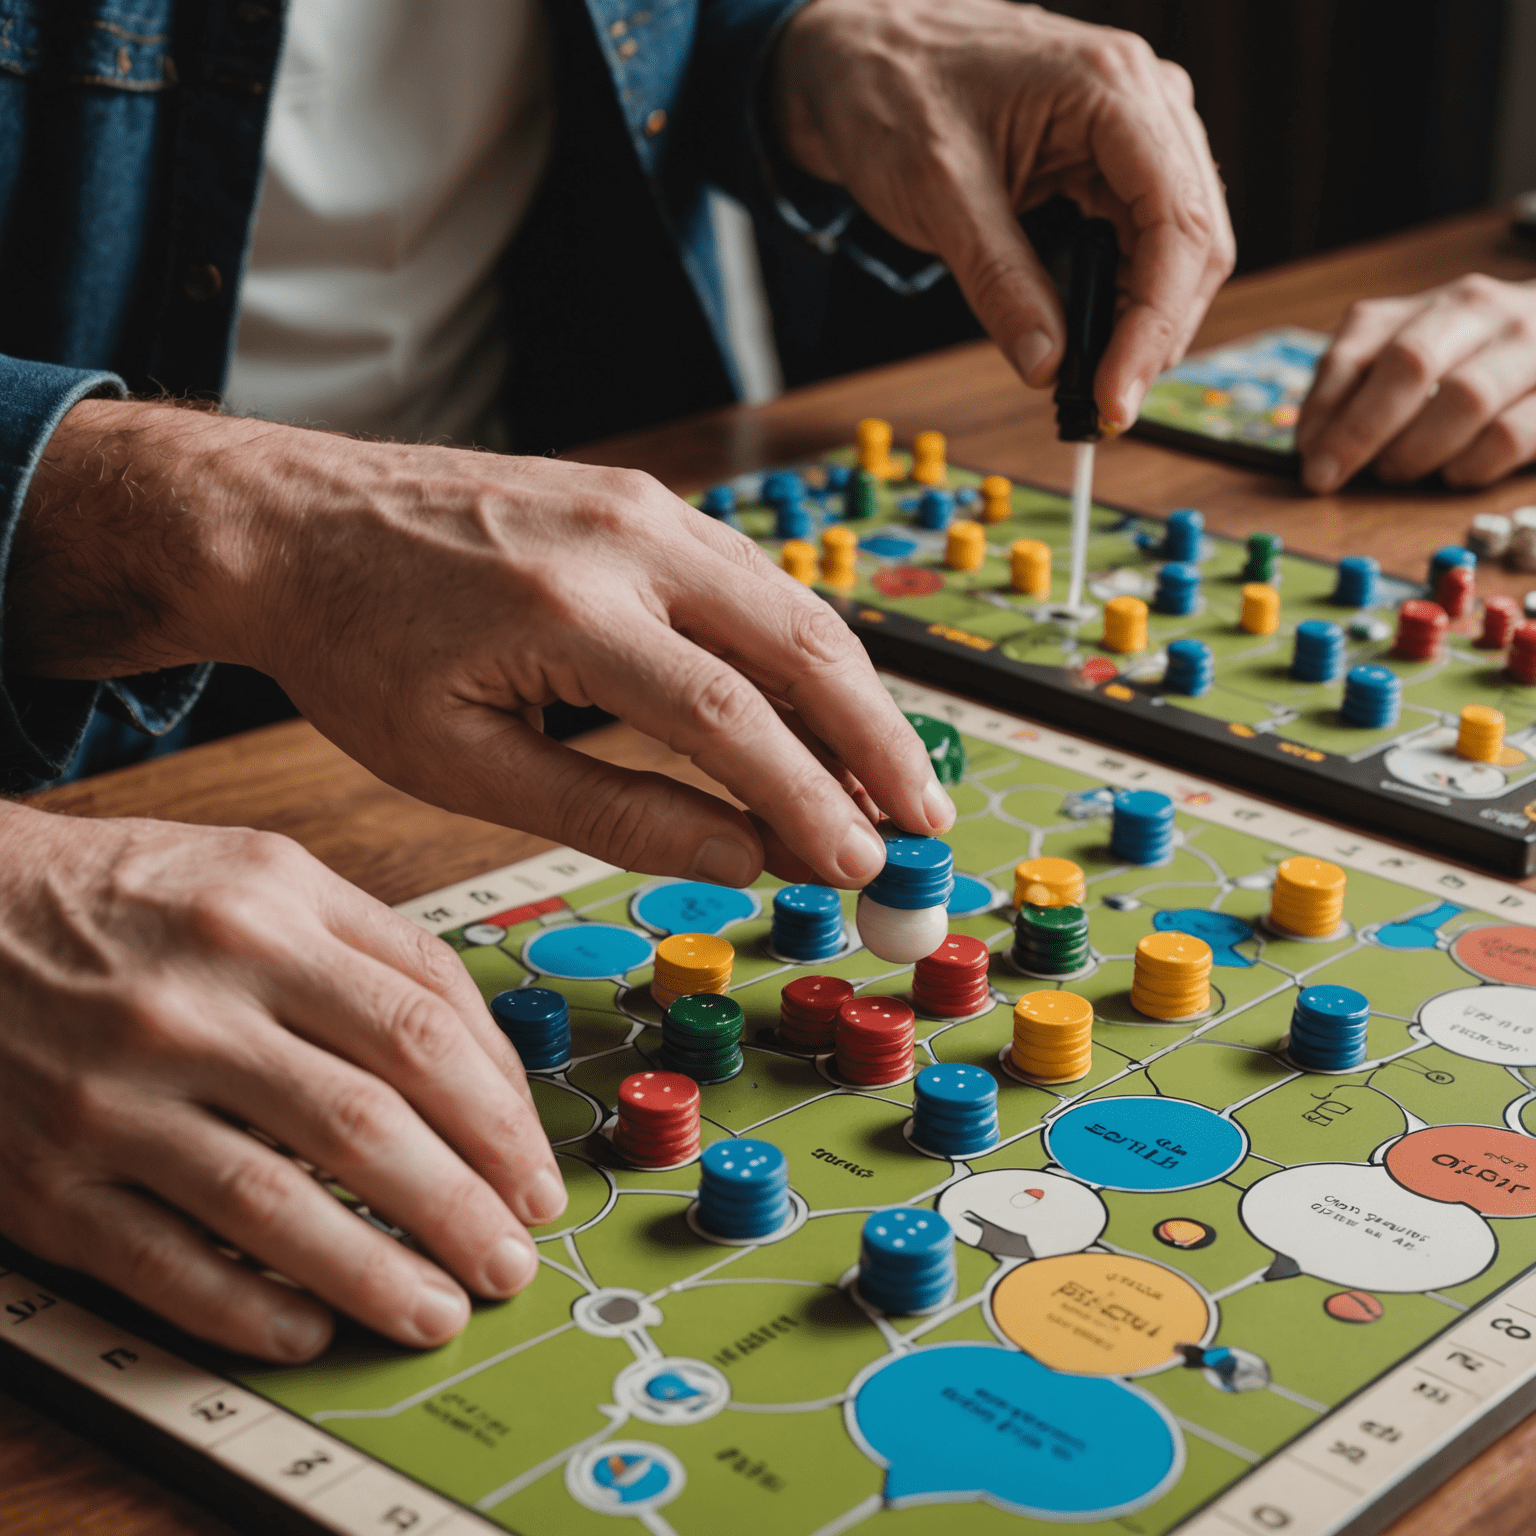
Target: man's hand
{"type": "Point", "coordinates": [162, 986]}
{"type": "Point", "coordinates": [946, 119]}
{"type": "Point", "coordinates": [1444, 379]}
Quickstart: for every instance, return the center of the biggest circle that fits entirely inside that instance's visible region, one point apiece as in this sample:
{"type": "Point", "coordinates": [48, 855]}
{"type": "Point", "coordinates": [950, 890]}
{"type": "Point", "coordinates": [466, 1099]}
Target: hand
{"type": "Point", "coordinates": [1444, 379]}
{"type": "Point", "coordinates": [947, 118]}
{"type": "Point", "coordinates": [421, 604]}
{"type": "Point", "coordinates": [162, 986]}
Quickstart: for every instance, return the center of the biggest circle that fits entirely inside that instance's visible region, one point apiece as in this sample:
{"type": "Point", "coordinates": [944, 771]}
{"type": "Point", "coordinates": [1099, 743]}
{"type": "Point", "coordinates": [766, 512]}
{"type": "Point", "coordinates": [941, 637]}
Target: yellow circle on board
{"type": "Point", "coordinates": [1099, 1314]}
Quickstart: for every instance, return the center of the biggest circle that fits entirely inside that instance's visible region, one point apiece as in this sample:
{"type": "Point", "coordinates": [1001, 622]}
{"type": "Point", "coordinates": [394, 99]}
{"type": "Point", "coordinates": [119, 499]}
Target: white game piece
{"type": "Point", "coordinates": [1522, 539]}
{"type": "Point", "coordinates": [901, 935]}
{"type": "Point", "coordinates": [1489, 535]}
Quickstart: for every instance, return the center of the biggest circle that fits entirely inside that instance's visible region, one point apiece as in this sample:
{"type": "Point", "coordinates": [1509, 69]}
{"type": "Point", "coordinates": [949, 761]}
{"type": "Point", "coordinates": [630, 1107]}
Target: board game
{"type": "Point", "coordinates": [1198, 1290]}
{"type": "Point", "coordinates": [1257, 727]}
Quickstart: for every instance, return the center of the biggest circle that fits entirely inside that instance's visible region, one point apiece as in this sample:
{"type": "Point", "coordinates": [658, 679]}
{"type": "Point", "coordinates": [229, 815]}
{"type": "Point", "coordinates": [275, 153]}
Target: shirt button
{"type": "Point", "coordinates": [656, 122]}
{"type": "Point", "coordinates": [202, 281]}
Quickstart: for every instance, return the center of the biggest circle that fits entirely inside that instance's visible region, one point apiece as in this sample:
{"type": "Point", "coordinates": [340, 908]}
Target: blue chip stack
{"type": "Point", "coordinates": [781, 486]}
{"type": "Point", "coordinates": [1443, 559]}
{"type": "Point", "coordinates": [719, 502]}
{"type": "Point", "coordinates": [955, 1112]}
{"type": "Point", "coordinates": [1178, 588]}
{"type": "Point", "coordinates": [1142, 829]}
{"type": "Point", "coordinates": [538, 1023]}
{"type": "Point", "coordinates": [1328, 1029]}
{"type": "Point", "coordinates": [919, 873]}
{"type": "Point", "coordinates": [1183, 538]}
{"type": "Point", "coordinates": [838, 476]}
{"type": "Point", "coordinates": [807, 923]}
{"type": "Point", "coordinates": [906, 1260]}
{"type": "Point", "coordinates": [934, 509]}
{"type": "Point", "coordinates": [1191, 668]}
{"type": "Point", "coordinates": [1357, 582]}
{"type": "Point", "coordinates": [743, 1189]}
{"type": "Point", "coordinates": [1319, 653]}
{"type": "Point", "coordinates": [1373, 697]}
{"type": "Point", "coordinates": [791, 520]}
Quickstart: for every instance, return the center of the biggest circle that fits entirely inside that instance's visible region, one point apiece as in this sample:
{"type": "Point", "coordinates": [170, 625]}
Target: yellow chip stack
{"type": "Point", "coordinates": [928, 466]}
{"type": "Point", "coordinates": [1125, 625]}
{"type": "Point", "coordinates": [874, 438]}
{"type": "Point", "coordinates": [996, 499]}
{"type": "Point", "coordinates": [1052, 1036]}
{"type": "Point", "coordinates": [690, 962]}
{"type": "Point", "coordinates": [1308, 897]}
{"type": "Point", "coordinates": [1481, 737]}
{"type": "Point", "coordinates": [1031, 567]}
{"type": "Point", "coordinates": [1048, 882]}
{"type": "Point", "coordinates": [839, 546]}
{"type": "Point", "coordinates": [799, 559]}
{"type": "Point", "coordinates": [1173, 976]}
{"type": "Point", "coordinates": [966, 547]}
{"type": "Point", "coordinates": [1261, 608]}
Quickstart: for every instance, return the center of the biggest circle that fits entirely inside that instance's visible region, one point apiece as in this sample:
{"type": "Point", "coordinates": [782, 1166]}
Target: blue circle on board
{"type": "Point", "coordinates": [889, 546]}
{"type": "Point", "coordinates": [587, 951]}
{"type": "Point", "coordinates": [1219, 929]}
{"type": "Point", "coordinates": [1145, 1143]}
{"type": "Point", "coordinates": [1419, 932]}
{"type": "Point", "coordinates": [631, 1479]}
{"type": "Point", "coordinates": [971, 896]}
{"type": "Point", "coordinates": [692, 906]}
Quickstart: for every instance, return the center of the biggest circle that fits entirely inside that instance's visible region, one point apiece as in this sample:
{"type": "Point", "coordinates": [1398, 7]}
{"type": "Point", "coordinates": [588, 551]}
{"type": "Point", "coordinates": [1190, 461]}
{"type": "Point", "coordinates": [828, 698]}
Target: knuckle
{"type": "Point", "coordinates": [1408, 361]}
{"type": "Point", "coordinates": [1503, 440]}
{"type": "Point", "coordinates": [619, 825]}
{"type": "Point", "coordinates": [820, 637]}
{"type": "Point", "coordinates": [149, 1260]}
{"type": "Point", "coordinates": [440, 968]}
{"type": "Point", "coordinates": [420, 1033]}
{"type": "Point", "coordinates": [724, 703]}
{"type": "Point", "coordinates": [1478, 288]}
{"type": "Point", "coordinates": [1178, 77]}
{"type": "Point", "coordinates": [1113, 55]}
{"type": "Point", "coordinates": [361, 1120]}
{"type": "Point", "coordinates": [1468, 395]}
{"type": "Point", "coordinates": [257, 1187]}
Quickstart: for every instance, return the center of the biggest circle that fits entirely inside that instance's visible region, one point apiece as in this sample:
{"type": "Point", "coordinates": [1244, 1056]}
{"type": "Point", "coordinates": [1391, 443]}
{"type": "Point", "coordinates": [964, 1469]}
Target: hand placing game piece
{"type": "Point", "coordinates": [1441, 380]}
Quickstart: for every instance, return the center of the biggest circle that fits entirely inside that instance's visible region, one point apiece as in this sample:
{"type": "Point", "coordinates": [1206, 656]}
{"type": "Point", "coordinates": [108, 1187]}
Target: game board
{"type": "Point", "coordinates": [1361, 1244]}
{"type": "Point", "coordinates": [1257, 727]}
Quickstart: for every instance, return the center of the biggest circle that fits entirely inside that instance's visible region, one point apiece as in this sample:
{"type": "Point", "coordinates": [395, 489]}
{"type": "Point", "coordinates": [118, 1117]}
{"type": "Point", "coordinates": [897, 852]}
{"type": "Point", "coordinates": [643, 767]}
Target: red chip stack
{"type": "Point", "coordinates": [808, 1012]}
{"type": "Point", "coordinates": [1456, 591]}
{"type": "Point", "coordinates": [1420, 630]}
{"type": "Point", "coordinates": [1500, 616]}
{"type": "Point", "coordinates": [875, 1037]}
{"type": "Point", "coordinates": [658, 1123]}
{"type": "Point", "coordinates": [1522, 654]}
{"type": "Point", "coordinates": [952, 982]}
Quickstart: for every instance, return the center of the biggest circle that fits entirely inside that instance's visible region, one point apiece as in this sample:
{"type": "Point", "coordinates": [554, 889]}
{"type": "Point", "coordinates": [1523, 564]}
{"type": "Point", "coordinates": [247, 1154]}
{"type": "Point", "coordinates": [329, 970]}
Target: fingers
{"type": "Point", "coordinates": [1503, 446]}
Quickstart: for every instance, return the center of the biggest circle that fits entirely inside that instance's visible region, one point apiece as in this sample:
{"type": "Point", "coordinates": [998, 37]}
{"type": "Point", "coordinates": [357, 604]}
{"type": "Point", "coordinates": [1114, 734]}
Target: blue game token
{"type": "Point", "coordinates": [934, 509]}
{"type": "Point", "coordinates": [1183, 540]}
{"type": "Point", "coordinates": [1357, 582]}
{"type": "Point", "coordinates": [1319, 653]}
{"type": "Point", "coordinates": [906, 1260]}
{"type": "Point", "coordinates": [743, 1189]}
{"type": "Point", "coordinates": [1178, 588]}
{"type": "Point", "coordinates": [537, 1021]}
{"type": "Point", "coordinates": [1443, 559]}
{"type": "Point", "coordinates": [1191, 668]}
{"type": "Point", "coordinates": [838, 476]}
{"type": "Point", "coordinates": [1373, 697]}
{"type": "Point", "coordinates": [781, 486]}
{"type": "Point", "coordinates": [807, 923]}
{"type": "Point", "coordinates": [919, 873]}
{"type": "Point", "coordinates": [1329, 1027]}
{"type": "Point", "coordinates": [719, 501]}
{"type": "Point", "coordinates": [954, 1112]}
{"type": "Point", "coordinates": [791, 519]}
{"type": "Point", "coordinates": [1142, 829]}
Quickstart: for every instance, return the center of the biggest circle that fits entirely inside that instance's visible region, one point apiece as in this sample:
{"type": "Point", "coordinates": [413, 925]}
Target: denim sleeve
{"type": "Point", "coordinates": [42, 720]}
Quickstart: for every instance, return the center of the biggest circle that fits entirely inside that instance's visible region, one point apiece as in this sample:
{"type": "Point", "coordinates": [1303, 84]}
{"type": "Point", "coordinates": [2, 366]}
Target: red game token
{"type": "Point", "coordinates": [1420, 630]}
{"type": "Point", "coordinates": [1456, 590]}
{"type": "Point", "coordinates": [815, 997]}
{"type": "Point", "coordinates": [658, 1098]}
{"type": "Point", "coordinates": [875, 1037]}
{"type": "Point", "coordinates": [958, 953]}
{"type": "Point", "coordinates": [876, 1017]}
{"type": "Point", "coordinates": [1522, 653]}
{"type": "Point", "coordinates": [1500, 616]}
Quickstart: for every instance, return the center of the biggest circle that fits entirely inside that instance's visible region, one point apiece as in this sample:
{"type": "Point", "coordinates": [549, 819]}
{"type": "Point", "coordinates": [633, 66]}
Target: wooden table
{"type": "Point", "coordinates": [288, 779]}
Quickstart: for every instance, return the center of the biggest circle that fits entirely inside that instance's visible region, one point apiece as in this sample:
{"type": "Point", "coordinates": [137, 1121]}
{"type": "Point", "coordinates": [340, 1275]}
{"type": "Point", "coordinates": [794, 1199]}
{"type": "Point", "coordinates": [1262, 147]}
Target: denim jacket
{"type": "Point", "coordinates": [131, 136]}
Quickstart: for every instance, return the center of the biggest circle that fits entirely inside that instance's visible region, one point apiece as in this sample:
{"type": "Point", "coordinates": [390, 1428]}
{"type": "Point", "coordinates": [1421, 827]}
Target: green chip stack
{"type": "Point", "coordinates": [945, 749]}
{"type": "Point", "coordinates": [860, 499]}
{"type": "Point", "coordinates": [1263, 555]}
{"type": "Point", "coordinates": [1050, 941]}
{"type": "Point", "coordinates": [701, 1037]}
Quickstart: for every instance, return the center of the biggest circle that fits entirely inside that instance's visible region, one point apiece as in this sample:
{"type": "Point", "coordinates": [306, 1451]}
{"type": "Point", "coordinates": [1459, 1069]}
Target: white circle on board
{"type": "Point", "coordinates": [624, 1477]}
{"type": "Point", "coordinates": [1051, 1214]}
{"type": "Point", "coordinates": [1430, 762]}
{"type": "Point", "coordinates": [1488, 1023]}
{"type": "Point", "coordinates": [484, 933]}
{"type": "Point", "coordinates": [671, 1390]}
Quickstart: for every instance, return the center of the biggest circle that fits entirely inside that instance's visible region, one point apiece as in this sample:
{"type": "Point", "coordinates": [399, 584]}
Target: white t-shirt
{"type": "Point", "coordinates": [406, 141]}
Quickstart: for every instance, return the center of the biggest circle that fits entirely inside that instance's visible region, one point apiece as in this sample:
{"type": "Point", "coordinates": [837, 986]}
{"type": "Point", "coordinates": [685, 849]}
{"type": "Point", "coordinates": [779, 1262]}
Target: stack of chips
{"type": "Point", "coordinates": [1172, 976]}
{"type": "Point", "coordinates": [538, 1023]}
{"type": "Point", "coordinates": [1031, 563]}
{"type": "Point", "coordinates": [1328, 1029]}
{"type": "Point", "coordinates": [792, 520]}
{"type": "Point", "coordinates": [952, 982]}
{"type": "Point", "coordinates": [1308, 898]}
{"type": "Point", "coordinates": [1420, 630]}
{"type": "Point", "coordinates": [1456, 591]}
{"type": "Point", "coordinates": [779, 486]}
{"type": "Point", "coordinates": [954, 1110]}
{"type": "Point", "coordinates": [1480, 738]}
{"type": "Point", "coordinates": [1521, 664]}
{"type": "Point", "coordinates": [1261, 609]}
{"type": "Point", "coordinates": [996, 499]}
{"type": "Point", "coordinates": [859, 498]}
{"type": "Point", "coordinates": [799, 558]}
{"type": "Point", "coordinates": [903, 912]}
{"type": "Point", "coordinates": [934, 509]}
{"type": "Point", "coordinates": [1263, 556]}
{"type": "Point", "coordinates": [1178, 588]}
{"type": "Point", "coordinates": [1049, 882]}
{"type": "Point", "coordinates": [966, 547]}
{"type": "Point", "coordinates": [701, 1037]}
{"type": "Point", "coordinates": [874, 1040]}
{"type": "Point", "coordinates": [1182, 539]}
{"type": "Point", "coordinates": [1319, 653]}
{"type": "Point", "coordinates": [658, 1124]}
{"type": "Point", "coordinates": [928, 467]}
{"type": "Point", "coordinates": [1141, 831]}
{"type": "Point", "coordinates": [808, 1012]}
{"type": "Point", "coordinates": [1125, 625]}
{"type": "Point", "coordinates": [1373, 697]}
{"type": "Point", "coordinates": [839, 546]}
{"type": "Point", "coordinates": [807, 923]}
{"type": "Point", "coordinates": [1522, 538]}
{"type": "Point", "coordinates": [1050, 941]}
{"type": "Point", "coordinates": [1357, 582]}
{"type": "Point", "coordinates": [906, 1261]}
{"type": "Point", "coordinates": [1488, 536]}
{"type": "Point", "coordinates": [838, 476]}
{"type": "Point", "coordinates": [719, 502]}
{"type": "Point", "coordinates": [874, 438]}
{"type": "Point", "coordinates": [1500, 616]}
{"type": "Point", "coordinates": [690, 962]}
{"type": "Point", "coordinates": [1191, 668]}
{"type": "Point", "coordinates": [743, 1189]}
{"type": "Point", "coordinates": [1052, 1037]}
{"type": "Point", "coordinates": [1445, 559]}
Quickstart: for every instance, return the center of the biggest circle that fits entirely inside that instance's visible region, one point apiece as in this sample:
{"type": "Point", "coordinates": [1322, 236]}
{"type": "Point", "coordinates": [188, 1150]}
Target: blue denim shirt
{"type": "Point", "coordinates": [131, 136]}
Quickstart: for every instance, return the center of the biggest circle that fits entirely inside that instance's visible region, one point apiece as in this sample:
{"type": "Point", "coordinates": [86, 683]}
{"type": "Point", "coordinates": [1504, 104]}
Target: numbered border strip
{"type": "Point", "coordinates": [336, 1487]}
{"type": "Point", "coordinates": [536, 879]}
{"type": "Point", "coordinates": [1389, 1445]}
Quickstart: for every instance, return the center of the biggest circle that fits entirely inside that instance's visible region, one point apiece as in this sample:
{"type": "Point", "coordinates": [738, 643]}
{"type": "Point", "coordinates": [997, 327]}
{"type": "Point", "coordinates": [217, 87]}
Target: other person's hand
{"type": "Point", "coordinates": [946, 119]}
{"type": "Point", "coordinates": [1440, 380]}
{"type": "Point", "coordinates": [162, 986]}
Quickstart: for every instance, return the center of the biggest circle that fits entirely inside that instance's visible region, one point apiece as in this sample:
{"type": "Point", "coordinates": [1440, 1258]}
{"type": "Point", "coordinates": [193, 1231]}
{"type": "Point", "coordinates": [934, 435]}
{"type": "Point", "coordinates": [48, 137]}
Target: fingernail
{"type": "Point", "coordinates": [1322, 473]}
{"type": "Point", "coordinates": [300, 1333]}
{"type": "Point", "coordinates": [1130, 402]}
{"type": "Point", "coordinates": [862, 854]}
{"type": "Point", "coordinates": [720, 861]}
{"type": "Point", "coordinates": [1030, 351]}
{"type": "Point", "coordinates": [509, 1266]}
{"type": "Point", "coordinates": [938, 807]}
{"type": "Point", "coordinates": [441, 1312]}
{"type": "Point", "coordinates": [546, 1196]}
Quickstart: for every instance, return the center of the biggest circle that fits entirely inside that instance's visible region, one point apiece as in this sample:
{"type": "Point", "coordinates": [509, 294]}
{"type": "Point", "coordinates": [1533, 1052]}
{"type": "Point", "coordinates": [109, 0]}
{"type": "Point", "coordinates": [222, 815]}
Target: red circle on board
{"type": "Point", "coordinates": [1485, 1166]}
{"type": "Point", "coordinates": [1353, 1307]}
{"type": "Point", "coordinates": [1098, 669]}
{"type": "Point", "coordinates": [907, 581]}
{"type": "Point", "coordinates": [1505, 953]}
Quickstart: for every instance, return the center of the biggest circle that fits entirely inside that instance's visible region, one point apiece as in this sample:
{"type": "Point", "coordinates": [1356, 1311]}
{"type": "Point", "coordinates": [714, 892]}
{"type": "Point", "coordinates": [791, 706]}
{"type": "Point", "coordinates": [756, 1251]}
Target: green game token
{"type": "Point", "coordinates": [1051, 941]}
{"type": "Point", "coordinates": [701, 1037]}
{"type": "Point", "coordinates": [859, 499]}
{"type": "Point", "coordinates": [1263, 553]}
{"type": "Point", "coordinates": [945, 749]}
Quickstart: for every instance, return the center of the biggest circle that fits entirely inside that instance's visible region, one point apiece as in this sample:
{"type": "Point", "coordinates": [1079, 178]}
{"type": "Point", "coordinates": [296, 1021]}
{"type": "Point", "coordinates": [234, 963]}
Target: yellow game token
{"type": "Point", "coordinates": [688, 963]}
{"type": "Point", "coordinates": [1308, 897]}
{"type": "Point", "coordinates": [1172, 977]}
{"type": "Point", "coordinates": [1261, 608]}
{"type": "Point", "coordinates": [1049, 882]}
{"type": "Point", "coordinates": [839, 547]}
{"type": "Point", "coordinates": [928, 466]}
{"type": "Point", "coordinates": [1052, 1036]}
{"type": "Point", "coordinates": [1031, 559]}
{"type": "Point", "coordinates": [966, 547]}
{"type": "Point", "coordinates": [1125, 625]}
{"type": "Point", "coordinates": [874, 438]}
{"type": "Point", "coordinates": [996, 499]}
{"type": "Point", "coordinates": [799, 559]}
{"type": "Point", "coordinates": [1481, 737]}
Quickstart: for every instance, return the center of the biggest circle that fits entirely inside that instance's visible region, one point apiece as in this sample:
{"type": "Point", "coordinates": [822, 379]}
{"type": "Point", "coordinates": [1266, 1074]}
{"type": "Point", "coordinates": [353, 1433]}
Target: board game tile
{"type": "Point", "coordinates": [1316, 1119]}
{"type": "Point", "coordinates": [587, 1193]}
{"type": "Point", "coordinates": [565, 1115]}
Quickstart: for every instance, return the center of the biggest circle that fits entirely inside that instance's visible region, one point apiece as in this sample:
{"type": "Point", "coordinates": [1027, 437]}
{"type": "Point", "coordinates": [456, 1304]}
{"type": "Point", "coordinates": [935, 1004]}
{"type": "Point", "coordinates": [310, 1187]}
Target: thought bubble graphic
{"type": "Point", "coordinates": [1496, 1024]}
{"type": "Point", "coordinates": [1353, 1224]}
{"type": "Point", "coordinates": [958, 1423]}
{"type": "Point", "coordinates": [1484, 1166]}
{"type": "Point", "coordinates": [1023, 1213]}
{"type": "Point", "coordinates": [1145, 1143]}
